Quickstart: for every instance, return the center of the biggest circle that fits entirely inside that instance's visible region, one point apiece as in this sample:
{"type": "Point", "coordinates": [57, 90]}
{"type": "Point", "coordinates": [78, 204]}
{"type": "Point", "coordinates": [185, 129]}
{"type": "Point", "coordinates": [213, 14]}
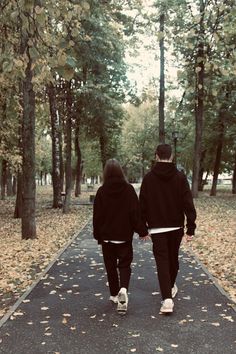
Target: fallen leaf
{"type": "Point", "coordinates": [44, 308]}
{"type": "Point", "coordinates": [216, 324]}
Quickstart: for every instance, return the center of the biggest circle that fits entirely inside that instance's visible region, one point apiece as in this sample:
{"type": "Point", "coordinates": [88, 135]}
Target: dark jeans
{"type": "Point", "coordinates": [117, 256]}
{"type": "Point", "coordinates": [166, 252]}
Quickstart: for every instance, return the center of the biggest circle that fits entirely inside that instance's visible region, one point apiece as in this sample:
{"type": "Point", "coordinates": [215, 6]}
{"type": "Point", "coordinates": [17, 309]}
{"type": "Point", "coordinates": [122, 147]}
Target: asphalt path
{"type": "Point", "coordinates": [68, 311]}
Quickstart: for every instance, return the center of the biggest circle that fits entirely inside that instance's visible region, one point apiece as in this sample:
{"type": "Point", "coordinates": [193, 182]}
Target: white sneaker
{"type": "Point", "coordinates": [114, 299]}
{"type": "Point", "coordinates": [122, 301]}
{"type": "Point", "coordinates": [167, 306]}
{"type": "Point", "coordinates": [174, 291]}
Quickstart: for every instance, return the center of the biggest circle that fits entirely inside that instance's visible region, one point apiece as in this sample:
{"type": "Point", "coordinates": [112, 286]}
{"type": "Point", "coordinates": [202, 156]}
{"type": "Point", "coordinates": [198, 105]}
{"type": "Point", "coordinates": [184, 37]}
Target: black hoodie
{"type": "Point", "coordinates": [116, 212]}
{"type": "Point", "coordinates": [166, 199]}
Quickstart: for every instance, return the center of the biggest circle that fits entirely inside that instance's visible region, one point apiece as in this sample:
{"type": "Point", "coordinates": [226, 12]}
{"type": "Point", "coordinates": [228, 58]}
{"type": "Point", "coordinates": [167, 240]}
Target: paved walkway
{"type": "Point", "coordinates": [68, 311]}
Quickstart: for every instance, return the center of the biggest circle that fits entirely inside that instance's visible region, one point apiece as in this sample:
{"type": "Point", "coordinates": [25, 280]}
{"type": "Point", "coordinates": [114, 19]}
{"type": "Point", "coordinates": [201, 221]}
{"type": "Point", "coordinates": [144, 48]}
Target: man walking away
{"type": "Point", "coordinates": [166, 202]}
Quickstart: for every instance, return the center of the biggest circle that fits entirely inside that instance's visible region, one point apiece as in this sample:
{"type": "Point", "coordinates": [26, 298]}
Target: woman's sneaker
{"type": "Point", "coordinates": [174, 291]}
{"type": "Point", "coordinates": [167, 306]}
{"type": "Point", "coordinates": [122, 301]}
{"type": "Point", "coordinates": [114, 299]}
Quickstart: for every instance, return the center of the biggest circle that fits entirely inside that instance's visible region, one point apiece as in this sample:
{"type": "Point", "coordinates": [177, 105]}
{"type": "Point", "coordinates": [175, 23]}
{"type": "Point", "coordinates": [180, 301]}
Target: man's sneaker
{"type": "Point", "coordinates": [114, 299]}
{"type": "Point", "coordinates": [174, 291]}
{"type": "Point", "coordinates": [122, 301]}
{"type": "Point", "coordinates": [167, 306]}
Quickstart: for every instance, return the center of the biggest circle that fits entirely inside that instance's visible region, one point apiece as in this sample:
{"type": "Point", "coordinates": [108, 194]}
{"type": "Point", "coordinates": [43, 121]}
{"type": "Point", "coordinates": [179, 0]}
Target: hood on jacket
{"type": "Point", "coordinates": [164, 170]}
{"type": "Point", "coordinates": [115, 187]}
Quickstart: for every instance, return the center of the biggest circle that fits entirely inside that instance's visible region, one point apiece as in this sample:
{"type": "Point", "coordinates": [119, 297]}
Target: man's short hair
{"type": "Point", "coordinates": [164, 151]}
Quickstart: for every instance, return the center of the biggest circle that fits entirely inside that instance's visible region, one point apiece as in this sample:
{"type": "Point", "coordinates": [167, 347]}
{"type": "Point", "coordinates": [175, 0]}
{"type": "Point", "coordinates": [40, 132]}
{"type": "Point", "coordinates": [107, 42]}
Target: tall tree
{"type": "Point", "coordinates": [199, 100]}
{"type": "Point", "coordinates": [28, 38]}
{"type": "Point", "coordinates": [68, 169]}
{"type": "Point", "coordinates": [55, 135]}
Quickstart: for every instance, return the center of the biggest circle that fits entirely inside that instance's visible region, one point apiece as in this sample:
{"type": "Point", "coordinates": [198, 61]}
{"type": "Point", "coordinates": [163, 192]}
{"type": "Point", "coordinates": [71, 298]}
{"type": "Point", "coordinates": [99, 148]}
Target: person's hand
{"type": "Point", "coordinates": [145, 238]}
{"type": "Point", "coordinates": [188, 238]}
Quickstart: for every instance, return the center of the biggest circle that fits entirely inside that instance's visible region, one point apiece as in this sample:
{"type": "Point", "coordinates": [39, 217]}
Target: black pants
{"type": "Point", "coordinates": [166, 252]}
{"type": "Point", "coordinates": [117, 256]}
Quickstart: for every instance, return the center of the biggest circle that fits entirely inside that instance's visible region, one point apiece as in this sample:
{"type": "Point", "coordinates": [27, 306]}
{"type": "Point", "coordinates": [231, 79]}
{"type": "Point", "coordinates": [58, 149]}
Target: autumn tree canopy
{"type": "Point", "coordinates": [67, 104]}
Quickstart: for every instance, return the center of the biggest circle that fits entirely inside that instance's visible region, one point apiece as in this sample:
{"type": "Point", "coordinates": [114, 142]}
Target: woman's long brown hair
{"type": "Point", "coordinates": [113, 170]}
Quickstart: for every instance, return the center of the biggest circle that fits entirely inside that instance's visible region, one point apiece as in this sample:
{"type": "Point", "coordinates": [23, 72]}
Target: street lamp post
{"type": "Point", "coordinates": [175, 138]}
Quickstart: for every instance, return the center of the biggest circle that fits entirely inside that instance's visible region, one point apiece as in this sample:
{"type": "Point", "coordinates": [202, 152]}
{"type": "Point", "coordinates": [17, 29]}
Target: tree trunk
{"type": "Point", "coordinates": [68, 169]}
{"type": "Point", "coordinates": [201, 172]}
{"type": "Point", "coordinates": [78, 165]}
{"type": "Point", "coordinates": [200, 180]}
{"type": "Point", "coordinates": [19, 177]}
{"type": "Point", "coordinates": [4, 179]}
{"type": "Point", "coordinates": [18, 204]}
{"type": "Point", "coordinates": [204, 182]}
{"type": "Point", "coordinates": [41, 178]}
{"type": "Point", "coordinates": [14, 185]}
{"type": "Point", "coordinates": [162, 83]}
{"type": "Point", "coordinates": [234, 176]}
{"type": "Point", "coordinates": [62, 169]}
{"type": "Point", "coordinates": [103, 147]}
{"type": "Point", "coordinates": [0, 175]}
{"type": "Point", "coordinates": [199, 105]}
{"type": "Point", "coordinates": [9, 183]}
{"type": "Point", "coordinates": [28, 147]}
{"type": "Point", "coordinates": [221, 129]}
{"type": "Point", "coordinates": [55, 134]}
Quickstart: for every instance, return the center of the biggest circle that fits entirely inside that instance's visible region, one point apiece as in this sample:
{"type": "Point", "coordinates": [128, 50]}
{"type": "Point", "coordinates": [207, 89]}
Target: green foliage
{"type": "Point", "coordinates": [219, 64]}
{"type": "Point", "coordinates": [139, 139]}
{"type": "Point", "coordinates": [84, 43]}
{"type": "Point", "coordinates": [91, 158]}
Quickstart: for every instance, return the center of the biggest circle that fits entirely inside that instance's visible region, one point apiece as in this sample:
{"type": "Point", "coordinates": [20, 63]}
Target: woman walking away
{"type": "Point", "coordinates": [116, 216]}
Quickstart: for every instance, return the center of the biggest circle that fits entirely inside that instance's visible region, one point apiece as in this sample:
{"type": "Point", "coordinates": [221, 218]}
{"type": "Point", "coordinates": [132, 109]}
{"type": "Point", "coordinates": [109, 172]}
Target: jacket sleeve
{"type": "Point", "coordinates": [189, 209]}
{"type": "Point", "coordinates": [143, 202]}
{"type": "Point", "coordinates": [135, 215]}
{"type": "Point", "coordinates": [97, 216]}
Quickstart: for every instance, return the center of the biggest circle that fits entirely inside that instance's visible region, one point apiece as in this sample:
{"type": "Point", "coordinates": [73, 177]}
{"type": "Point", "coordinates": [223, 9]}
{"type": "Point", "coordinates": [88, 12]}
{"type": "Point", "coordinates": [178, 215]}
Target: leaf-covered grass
{"type": "Point", "coordinates": [23, 260]}
{"type": "Point", "coordinates": [215, 240]}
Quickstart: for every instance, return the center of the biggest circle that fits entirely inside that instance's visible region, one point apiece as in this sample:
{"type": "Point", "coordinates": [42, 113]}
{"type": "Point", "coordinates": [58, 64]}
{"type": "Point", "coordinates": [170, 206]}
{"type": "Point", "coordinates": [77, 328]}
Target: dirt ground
{"type": "Point", "coordinates": [22, 261]}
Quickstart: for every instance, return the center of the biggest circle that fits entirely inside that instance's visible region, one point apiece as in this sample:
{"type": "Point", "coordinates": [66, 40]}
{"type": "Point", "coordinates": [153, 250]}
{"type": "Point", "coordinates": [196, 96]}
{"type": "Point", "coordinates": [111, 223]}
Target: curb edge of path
{"type": "Point", "coordinates": [28, 290]}
{"type": "Point", "coordinates": [212, 278]}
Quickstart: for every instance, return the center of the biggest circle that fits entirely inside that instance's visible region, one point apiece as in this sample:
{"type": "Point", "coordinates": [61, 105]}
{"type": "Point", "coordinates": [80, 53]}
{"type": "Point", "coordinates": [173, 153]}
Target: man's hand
{"type": "Point", "coordinates": [145, 238]}
{"type": "Point", "coordinates": [188, 238]}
